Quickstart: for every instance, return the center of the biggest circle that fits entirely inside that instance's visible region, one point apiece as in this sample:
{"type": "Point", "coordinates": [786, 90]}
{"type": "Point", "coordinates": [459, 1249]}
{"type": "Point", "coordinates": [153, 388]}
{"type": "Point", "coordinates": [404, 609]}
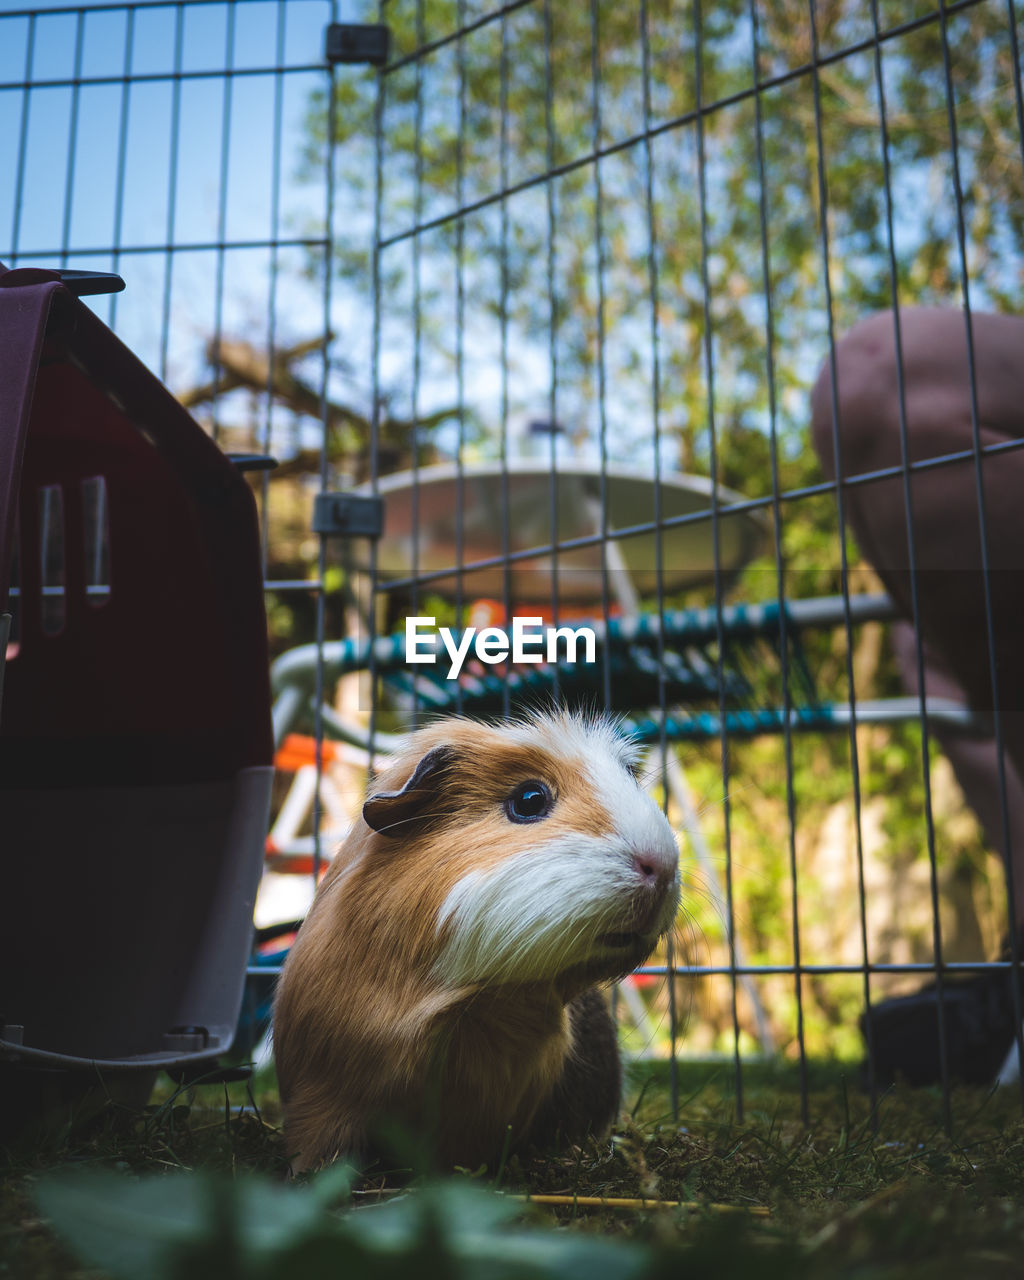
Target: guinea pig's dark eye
{"type": "Point", "coordinates": [530, 802]}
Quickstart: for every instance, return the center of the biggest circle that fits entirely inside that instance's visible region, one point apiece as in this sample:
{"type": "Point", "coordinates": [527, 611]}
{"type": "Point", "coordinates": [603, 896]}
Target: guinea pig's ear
{"type": "Point", "coordinates": [394, 813]}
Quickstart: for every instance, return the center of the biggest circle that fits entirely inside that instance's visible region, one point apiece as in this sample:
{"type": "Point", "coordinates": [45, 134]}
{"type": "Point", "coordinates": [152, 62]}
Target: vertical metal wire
{"type": "Point", "coordinates": [780, 565]}
{"type": "Point", "coordinates": [709, 375]}
{"type": "Point", "coordinates": [503, 304]}
{"type": "Point", "coordinates": [554, 322]}
{"type": "Point", "coordinates": [654, 295]}
{"type": "Point", "coordinates": [460, 333]}
{"type": "Point", "coordinates": [325, 426]}
{"type": "Point", "coordinates": [26, 106]}
{"type": "Point", "coordinates": [417, 328]}
{"type": "Point", "coordinates": [122, 152]}
{"type": "Point", "coordinates": [979, 485]}
{"type": "Point", "coordinates": [375, 358]}
{"type": "Point", "coordinates": [275, 227]}
{"type": "Point", "coordinates": [69, 175]}
{"type": "Point", "coordinates": [222, 215]}
{"type": "Point", "coordinates": [1004, 816]}
{"type": "Point", "coordinates": [905, 455]}
{"type": "Point", "coordinates": [822, 189]}
{"type": "Point", "coordinates": [1015, 62]}
{"type": "Point", "coordinates": [172, 189]}
{"type": "Point", "coordinates": [602, 389]}
{"type": "Point", "coordinates": [913, 582]}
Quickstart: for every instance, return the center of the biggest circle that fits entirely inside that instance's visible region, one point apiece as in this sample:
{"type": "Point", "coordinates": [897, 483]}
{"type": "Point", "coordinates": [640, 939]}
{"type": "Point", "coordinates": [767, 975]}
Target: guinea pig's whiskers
{"type": "Point", "coordinates": [690, 941]}
{"type": "Point", "coordinates": [694, 891]}
{"type": "Point", "coordinates": [388, 827]}
{"type": "Point", "coordinates": [412, 819]}
{"type": "Point", "coordinates": [698, 885]}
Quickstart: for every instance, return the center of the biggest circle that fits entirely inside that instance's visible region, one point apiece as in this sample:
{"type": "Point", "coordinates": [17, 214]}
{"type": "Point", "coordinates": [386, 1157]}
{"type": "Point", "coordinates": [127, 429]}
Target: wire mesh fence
{"type": "Point", "coordinates": [598, 301]}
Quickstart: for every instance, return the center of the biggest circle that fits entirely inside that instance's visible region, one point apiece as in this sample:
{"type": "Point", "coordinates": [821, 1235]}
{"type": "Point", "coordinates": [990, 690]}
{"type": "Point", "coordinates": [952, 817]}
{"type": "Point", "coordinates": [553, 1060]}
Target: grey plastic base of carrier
{"type": "Point", "coordinates": [124, 953]}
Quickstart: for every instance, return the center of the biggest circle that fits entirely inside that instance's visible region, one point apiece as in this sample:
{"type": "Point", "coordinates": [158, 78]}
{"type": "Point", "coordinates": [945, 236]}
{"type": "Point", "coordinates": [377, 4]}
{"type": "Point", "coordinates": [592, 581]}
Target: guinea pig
{"type": "Point", "coordinates": [443, 982]}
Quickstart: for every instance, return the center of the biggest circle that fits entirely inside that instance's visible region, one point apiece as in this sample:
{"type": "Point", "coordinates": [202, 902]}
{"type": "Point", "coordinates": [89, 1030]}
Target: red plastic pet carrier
{"type": "Point", "coordinates": [135, 738]}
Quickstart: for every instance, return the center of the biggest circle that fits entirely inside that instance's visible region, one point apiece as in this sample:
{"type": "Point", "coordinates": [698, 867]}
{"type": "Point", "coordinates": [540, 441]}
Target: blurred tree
{"type": "Point", "coordinates": [566, 188]}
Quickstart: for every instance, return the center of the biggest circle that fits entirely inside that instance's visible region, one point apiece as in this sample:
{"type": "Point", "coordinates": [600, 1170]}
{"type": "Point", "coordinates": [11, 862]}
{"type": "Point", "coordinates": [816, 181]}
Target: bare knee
{"type": "Point", "coordinates": [875, 388]}
{"type": "Point", "coordinates": [853, 398]}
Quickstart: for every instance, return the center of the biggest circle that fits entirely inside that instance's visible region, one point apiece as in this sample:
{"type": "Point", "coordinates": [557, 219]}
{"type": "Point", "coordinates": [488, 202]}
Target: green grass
{"type": "Point", "coordinates": [859, 1192]}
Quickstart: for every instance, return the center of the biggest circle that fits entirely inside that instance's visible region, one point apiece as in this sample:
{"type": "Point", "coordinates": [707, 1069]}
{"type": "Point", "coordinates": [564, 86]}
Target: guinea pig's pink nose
{"type": "Point", "coordinates": [656, 870]}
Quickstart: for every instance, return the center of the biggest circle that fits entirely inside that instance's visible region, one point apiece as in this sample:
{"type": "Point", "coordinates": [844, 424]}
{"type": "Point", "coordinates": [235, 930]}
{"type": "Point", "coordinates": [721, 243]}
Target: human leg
{"type": "Point", "coordinates": [937, 559]}
{"type": "Point", "coordinates": [957, 564]}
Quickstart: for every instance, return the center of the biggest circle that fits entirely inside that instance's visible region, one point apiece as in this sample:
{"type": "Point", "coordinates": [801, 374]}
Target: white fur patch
{"type": "Point", "coordinates": [565, 734]}
{"type": "Point", "coordinates": [534, 914]}
{"type": "Point", "coordinates": [543, 909]}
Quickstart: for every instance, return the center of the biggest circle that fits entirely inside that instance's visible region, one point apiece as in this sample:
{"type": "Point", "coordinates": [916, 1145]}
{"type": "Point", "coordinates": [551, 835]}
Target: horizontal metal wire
{"type": "Point", "coordinates": [293, 584]}
{"type": "Point", "coordinates": [172, 247]}
{"type": "Point", "coordinates": [109, 6]}
{"type": "Point", "coordinates": [155, 77]}
{"type": "Point", "coordinates": [764, 503]}
{"type": "Point", "coordinates": [952, 968]}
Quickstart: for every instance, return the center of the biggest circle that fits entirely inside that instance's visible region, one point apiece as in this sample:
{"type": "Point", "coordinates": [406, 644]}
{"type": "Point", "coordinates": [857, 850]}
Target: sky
{"type": "Point", "coordinates": [97, 165]}
{"type": "Point", "coordinates": [174, 157]}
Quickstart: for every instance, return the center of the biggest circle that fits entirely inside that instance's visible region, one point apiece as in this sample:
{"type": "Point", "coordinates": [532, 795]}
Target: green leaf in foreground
{"type": "Point", "coordinates": [199, 1227]}
{"type": "Point", "coordinates": [190, 1225]}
